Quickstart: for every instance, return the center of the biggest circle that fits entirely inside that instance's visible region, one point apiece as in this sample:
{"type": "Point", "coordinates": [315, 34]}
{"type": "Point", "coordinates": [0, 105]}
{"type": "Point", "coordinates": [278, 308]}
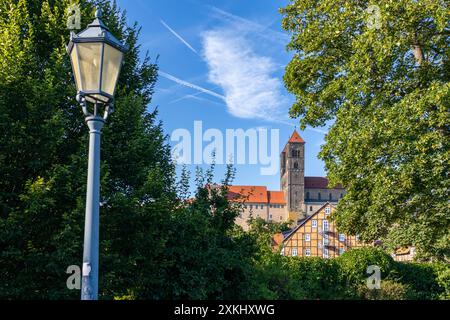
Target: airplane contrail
{"type": "Point", "coordinates": [178, 36]}
{"type": "Point", "coordinates": [191, 85]}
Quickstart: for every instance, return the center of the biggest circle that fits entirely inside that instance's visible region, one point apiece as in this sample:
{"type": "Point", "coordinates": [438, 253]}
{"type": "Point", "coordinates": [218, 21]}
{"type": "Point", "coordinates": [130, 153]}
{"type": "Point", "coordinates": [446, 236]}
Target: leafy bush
{"type": "Point", "coordinates": [316, 278]}
{"type": "Point", "coordinates": [443, 279]}
{"type": "Point", "coordinates": [420, 277]}
{"type": "Point", "coordinates": [390, 290]}
{"type": "Point", "coordinates": [354, 263]}
{"type": "Point", "coordinates": [280, 277]}
{"type": "Point", "coordinates": [353, 266]}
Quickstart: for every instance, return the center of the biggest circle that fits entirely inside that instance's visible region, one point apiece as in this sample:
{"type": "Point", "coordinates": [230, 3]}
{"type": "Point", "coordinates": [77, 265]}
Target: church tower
{"type": "Point", "coordinates": [292, 176]}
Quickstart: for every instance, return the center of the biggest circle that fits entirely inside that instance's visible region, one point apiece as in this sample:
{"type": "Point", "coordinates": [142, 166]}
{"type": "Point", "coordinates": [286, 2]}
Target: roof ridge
{"type": "Point", "coordinates": [308, 218]}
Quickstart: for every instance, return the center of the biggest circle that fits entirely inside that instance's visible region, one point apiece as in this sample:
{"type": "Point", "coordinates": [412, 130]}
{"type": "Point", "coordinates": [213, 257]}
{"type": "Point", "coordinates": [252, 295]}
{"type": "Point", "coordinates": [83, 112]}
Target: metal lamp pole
{"type": "Point", "coordinates": [96, 57]}
{"type": "Point", "coordinates": [89, 283]}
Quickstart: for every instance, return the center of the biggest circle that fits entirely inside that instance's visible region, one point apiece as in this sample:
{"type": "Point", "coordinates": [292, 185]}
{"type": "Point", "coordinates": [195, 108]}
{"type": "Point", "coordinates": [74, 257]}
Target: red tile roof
{"type": "Point", "coordinates": [319, 183]}
{"type": "Point", "coordinates": [253, 194]}
{"type": "Point", "coordinates": [276, 197]}
{"type": "Point", "coordinates": [296, 137]}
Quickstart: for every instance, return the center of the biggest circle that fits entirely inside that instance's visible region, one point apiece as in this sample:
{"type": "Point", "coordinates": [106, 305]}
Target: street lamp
{"type": "Point", "coordinates": [97, 57]}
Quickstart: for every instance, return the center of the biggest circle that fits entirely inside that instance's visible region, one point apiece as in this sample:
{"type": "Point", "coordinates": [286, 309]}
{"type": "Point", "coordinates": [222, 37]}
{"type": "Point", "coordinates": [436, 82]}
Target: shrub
{"type": "Point", "coordinates": [280, 277]}
{"type": "Point", "coordinates": [390, 290]}
{"type": "Point", "coordinates": [316, 278]}
{"type": "Point", "coordinates": [427, 280]}
{"type": "Point", "coordinates": [353, 267]}
{"type": "Point", "coordinates": [443, 279]}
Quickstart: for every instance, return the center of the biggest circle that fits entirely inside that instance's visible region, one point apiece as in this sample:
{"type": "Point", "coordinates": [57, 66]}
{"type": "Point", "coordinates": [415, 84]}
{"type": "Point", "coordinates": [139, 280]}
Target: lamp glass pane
{"type": "Point", "coordinates": [112, 61]}
{"type": "Point", "coordinates": [89, 55]}
{"type": "Point", "coordinates": [75, 67]}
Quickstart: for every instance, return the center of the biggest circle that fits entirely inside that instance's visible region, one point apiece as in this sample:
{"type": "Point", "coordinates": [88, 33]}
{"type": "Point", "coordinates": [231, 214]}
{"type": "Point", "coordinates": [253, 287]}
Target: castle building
{"type": "Point", "coordinates": [299, 198]}
{"type": "Point", "coordinates": [307, 203]}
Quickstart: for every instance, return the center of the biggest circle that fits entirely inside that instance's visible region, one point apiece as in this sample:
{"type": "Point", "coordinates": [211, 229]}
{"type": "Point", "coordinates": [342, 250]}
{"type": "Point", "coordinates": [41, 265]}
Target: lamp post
{"type": "Point", "coordinates": [97, 57]}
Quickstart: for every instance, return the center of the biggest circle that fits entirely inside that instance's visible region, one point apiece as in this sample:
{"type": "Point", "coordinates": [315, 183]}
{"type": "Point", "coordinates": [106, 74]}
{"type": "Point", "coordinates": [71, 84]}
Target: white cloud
{"type": "Point", "coordinates": [246, 78]}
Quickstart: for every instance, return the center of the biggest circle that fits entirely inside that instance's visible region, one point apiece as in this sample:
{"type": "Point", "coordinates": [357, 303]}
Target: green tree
{"type": "Point", "coordinates": [205, 257]}
{"type": "Point", "coordinates": [43, 160]}
{"type": "Point", "coordinates": [382, 82]}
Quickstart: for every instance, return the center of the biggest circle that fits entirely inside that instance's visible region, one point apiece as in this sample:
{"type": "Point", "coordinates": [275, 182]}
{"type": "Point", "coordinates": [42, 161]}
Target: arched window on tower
{"type": "Point", "coordinates": [319, 196]}
{"type": "Point", "coordinates": [307, 196]}
{"type": "Point", "coordinates": [295, 153]}
{"type": "Point", "coordinates": [295, 165]}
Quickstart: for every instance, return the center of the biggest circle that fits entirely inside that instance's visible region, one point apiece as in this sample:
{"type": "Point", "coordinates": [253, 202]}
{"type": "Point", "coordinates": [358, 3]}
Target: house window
{"type": "Point", "coordinates": [294, 252]}
{"type": "Point", "coordinates": [341, 251]}
{"type": "Point", "coordinates": [319, 244]}
{"type": "Point", "coordinates": [325, 225]}
{"type": "Point", "coordinates": [307, 237]}
{"type": "Point", "coordinates": [271, 206]}
{"type": "Point", "coordinates": [319, 196]}
{"type": "Point", "coordinates": [325, 253]}
{"type": "Point", "coordinates": [327, 210]}
{"type": "Point", "coordinates": [270, 216]}
{"type": "Point", "coordinates": [307, 196]}
{"type": "Point", "coordinates": [314, 223]}
{"type": "Point", "coordinates": [262, 206]}
{"type": "Point", "coordinates": [325, 240]}
{"type": "Point", "coordinates": [341, 237]}
{"type": "Point", "coordinates": [310, 208]}
{"type": "Point", "coordinates": [308, 252]}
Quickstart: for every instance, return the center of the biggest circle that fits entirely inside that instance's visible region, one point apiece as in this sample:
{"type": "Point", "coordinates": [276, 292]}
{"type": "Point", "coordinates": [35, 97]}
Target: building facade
{"type": "Point", "coordinates": [258, 202]}
{"type": "Point", "coordinates": [316, 236]}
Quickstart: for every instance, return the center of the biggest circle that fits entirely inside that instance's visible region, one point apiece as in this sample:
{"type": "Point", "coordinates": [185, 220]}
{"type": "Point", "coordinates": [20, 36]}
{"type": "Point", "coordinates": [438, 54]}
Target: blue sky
{"type": "Point", "coordinates": [222, 63]}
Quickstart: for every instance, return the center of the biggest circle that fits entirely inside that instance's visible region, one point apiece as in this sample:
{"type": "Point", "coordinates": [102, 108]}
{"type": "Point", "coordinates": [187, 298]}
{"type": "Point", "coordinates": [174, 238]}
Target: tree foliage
{"type": "Point", "coordinates": [384, 86]}
{"type": "Point", "coordinates": [43, 159]}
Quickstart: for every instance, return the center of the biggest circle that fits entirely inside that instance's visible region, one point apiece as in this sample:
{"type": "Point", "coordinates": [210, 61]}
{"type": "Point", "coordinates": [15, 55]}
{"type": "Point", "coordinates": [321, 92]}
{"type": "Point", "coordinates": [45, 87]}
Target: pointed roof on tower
{"type": "Point", "coordinates": [296, 137]}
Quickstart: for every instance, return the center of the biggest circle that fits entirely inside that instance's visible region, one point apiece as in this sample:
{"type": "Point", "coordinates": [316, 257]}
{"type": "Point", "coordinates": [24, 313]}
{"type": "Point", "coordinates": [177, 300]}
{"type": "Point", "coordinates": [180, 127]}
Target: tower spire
{"type": "Point", "coordinates": [295, 137]}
